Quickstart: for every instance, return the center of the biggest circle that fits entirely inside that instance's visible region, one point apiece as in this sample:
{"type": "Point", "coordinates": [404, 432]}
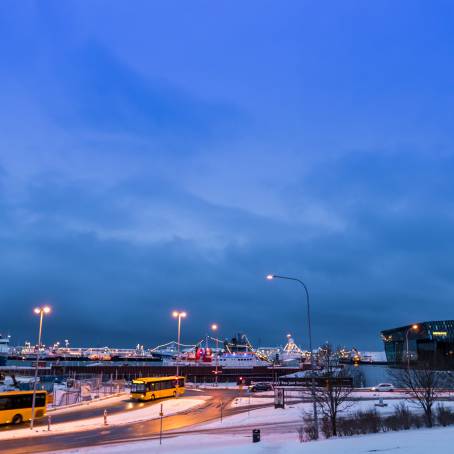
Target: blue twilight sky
{"type": "Point", "coordinates": [161, 155]}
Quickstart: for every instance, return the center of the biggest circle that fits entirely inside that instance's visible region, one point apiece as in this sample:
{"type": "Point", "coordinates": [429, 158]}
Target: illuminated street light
{"type": "Point", "coordinates": [270, 277]}
{"type": "Point", "coordinates": [38, 311]}
{"type": "Point", "coordinates": [413, 327]}
{"type": "Point", "coordinates": [214, 327]}
{"type": "Point", "coordinates": [179, 315]}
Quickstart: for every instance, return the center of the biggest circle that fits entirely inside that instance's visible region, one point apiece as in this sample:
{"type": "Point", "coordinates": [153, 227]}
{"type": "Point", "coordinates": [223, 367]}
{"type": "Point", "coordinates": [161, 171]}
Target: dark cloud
{"type": "Point", "coordinates": [146, 168]}
{"type": "Point", "coordinates": [383, 268]}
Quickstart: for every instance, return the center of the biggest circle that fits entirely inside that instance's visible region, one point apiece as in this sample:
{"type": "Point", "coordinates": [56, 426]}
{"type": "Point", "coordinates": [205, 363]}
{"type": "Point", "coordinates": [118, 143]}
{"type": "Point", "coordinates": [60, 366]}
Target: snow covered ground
{"type": "Point", "coordinates": [292, 413]}
{"type": "Point", "coordinates": [101, 402]}
{"type": "Point", "coordinates": [267, 397]}
{"type": "Point", "coordinates": [250, 401]}
{"type": "Point", "coordinates": [419, 441]}
{"type": "Point", "coordinates": [146, 413]}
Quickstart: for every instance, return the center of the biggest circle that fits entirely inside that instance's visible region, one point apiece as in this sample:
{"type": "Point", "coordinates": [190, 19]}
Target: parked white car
{"type": "Point", "coordinates": [383, 387]}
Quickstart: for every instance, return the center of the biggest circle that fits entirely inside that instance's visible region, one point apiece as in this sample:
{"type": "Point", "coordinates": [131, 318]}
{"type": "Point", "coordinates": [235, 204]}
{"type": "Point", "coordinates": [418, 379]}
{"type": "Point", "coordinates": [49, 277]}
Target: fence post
{"type": "Point", "coordinates": [161, 414]}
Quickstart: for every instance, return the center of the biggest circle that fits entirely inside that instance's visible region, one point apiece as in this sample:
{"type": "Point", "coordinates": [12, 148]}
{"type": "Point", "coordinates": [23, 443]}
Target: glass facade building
{"type": "Point", "coordinates": [430, 342]}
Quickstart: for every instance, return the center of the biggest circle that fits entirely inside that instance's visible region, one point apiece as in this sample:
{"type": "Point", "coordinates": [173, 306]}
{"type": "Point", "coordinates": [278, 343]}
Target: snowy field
{"type": "Point", "coordinates": [250, 401]}
{"type": "Point", "coordinates": [420, 441]}
{"type": "Point", "coordinates": [293, 413]}
{"type": "Point", "coordinates": [248, 398]}
{"type": "Point", "coordinates": [170, 407]}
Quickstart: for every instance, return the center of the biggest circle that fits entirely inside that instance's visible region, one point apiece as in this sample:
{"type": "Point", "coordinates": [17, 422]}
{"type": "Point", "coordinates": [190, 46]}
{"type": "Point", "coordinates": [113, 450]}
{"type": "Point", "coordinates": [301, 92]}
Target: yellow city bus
{"type": "Point", "coordinates": [16, 406]}
{"type": "Point", "coordinates": [152, 388]}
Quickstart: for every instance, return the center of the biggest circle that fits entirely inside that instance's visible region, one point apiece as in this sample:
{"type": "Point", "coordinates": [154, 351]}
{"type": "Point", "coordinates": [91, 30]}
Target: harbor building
{"type": "Point", "coordinates": [430, 342]}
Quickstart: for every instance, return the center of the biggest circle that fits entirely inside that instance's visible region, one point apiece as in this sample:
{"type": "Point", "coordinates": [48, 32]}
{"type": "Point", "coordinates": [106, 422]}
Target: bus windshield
{"type": "Point", "coordinates": [138, 388]}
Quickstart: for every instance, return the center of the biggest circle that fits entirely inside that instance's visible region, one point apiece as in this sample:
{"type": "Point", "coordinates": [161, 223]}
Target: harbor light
{"type": "Point", "coordinates": [214, 327]}
{"type": "Point", "coordinates": [179, 314]}
{"type": "Point", "coordinates": [45, 309]}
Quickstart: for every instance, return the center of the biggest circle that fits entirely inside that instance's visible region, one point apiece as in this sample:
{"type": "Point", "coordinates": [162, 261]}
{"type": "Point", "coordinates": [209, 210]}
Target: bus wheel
{"type": "Point", "coordinates": [17, 419]}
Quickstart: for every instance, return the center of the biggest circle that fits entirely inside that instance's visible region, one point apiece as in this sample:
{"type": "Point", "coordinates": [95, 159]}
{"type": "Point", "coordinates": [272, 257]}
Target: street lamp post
{"type": "Point", "coordinates": [275, 276]}
{"type": "Point", "coordinates": [412, 328]}
{"type": "Point", "coordinates": [39, 311]}
{"type": "Point", "coordinates": [179, 315]}
{"type": "Point", "coordinates": [214, 327]}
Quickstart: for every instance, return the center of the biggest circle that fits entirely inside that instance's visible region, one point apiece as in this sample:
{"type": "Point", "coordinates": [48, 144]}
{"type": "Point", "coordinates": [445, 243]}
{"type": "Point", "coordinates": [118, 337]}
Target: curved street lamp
{"type": "Point", "coordinates": [413, 327]}
{"type": "Point", "coordinates": [270, 277]}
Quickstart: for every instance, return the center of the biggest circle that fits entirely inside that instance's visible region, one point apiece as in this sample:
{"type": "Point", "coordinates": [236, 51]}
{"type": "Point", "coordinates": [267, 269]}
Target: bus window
{"type": "Point", "coordinates": [25, 401]}
{"type": "Point", "coordinates": [5, 403]}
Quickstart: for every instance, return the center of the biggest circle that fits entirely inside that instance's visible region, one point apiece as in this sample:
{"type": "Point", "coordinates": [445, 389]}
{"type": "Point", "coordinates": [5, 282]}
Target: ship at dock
{"type": "Point", "coordinates": [233, 353]}
{"type": "Point", "coordinates": [4, 349]}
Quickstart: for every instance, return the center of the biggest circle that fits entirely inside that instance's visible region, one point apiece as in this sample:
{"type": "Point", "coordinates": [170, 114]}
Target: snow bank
{"type": "Point", "coordinates": [101, 402]}
{"type": "Point", "coordinates": [419, 441]}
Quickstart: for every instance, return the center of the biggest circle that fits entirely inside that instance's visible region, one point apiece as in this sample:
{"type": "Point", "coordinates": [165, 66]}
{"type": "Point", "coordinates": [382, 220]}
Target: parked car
{"type": "Point", "coordinates": [257, 387]}
{"type": "Point", "coordinates": [383, 387]}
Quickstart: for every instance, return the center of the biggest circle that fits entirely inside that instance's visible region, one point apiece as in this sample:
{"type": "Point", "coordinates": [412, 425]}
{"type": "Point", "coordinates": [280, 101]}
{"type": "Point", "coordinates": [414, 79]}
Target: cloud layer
{"type": "Point", "coordinates": [153, 159]}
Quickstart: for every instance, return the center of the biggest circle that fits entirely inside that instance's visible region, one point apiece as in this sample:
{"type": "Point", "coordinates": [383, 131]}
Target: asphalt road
{"type": "Point", "coordinates": [135, 431]}
{"type": "Point", "coordinates": [85, 412]}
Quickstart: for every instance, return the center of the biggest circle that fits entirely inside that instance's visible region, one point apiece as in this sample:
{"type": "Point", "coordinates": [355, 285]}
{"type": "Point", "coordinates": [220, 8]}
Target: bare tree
{"type": "Point", "coordinates": [332, 394]}
{"type": "Point", "coordinates": [423, 386]}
